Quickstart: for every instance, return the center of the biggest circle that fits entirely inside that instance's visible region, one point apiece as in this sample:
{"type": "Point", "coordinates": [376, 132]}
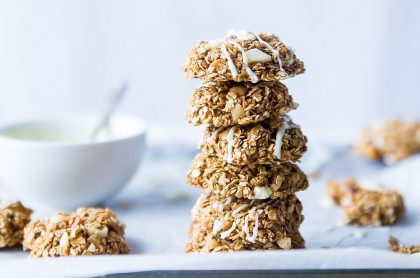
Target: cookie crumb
{"type": "Point", "coordinates": [396, 246]}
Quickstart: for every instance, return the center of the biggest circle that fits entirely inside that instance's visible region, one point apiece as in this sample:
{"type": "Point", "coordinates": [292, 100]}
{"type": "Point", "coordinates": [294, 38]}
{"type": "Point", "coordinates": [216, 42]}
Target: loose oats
{"type": "Point", "coordinates": [88, 231]}
{"type": "Point", "coordinates": [395, 246]}
{"type": "Point", "coordinates": [365, 207]}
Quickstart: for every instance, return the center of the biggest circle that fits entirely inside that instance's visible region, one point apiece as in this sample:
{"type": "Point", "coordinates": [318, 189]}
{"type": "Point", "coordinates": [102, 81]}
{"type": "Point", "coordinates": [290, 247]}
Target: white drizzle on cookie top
{"type": "Point", "coordinates": [287, 123]}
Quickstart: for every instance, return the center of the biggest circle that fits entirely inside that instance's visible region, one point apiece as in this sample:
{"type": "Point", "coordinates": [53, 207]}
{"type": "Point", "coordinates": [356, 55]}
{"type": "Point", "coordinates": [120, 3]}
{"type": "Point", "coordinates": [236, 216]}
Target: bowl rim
{"type": "Point", "coordinates": [141, 130]}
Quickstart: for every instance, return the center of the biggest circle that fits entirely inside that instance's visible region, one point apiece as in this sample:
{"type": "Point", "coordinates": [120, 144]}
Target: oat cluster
{"type": "Point", "coordinates": [367, 207]}
{"type": "Point", "coordinates": [396, 246]}
{"type": "Point", "coordinates": [88, 231]}
{"type": "Point", "coordinates": [13, 219]}
{"type": "Point", "coordinates": [391, 141]}
{"type": "Point", "coordinates": [248, 145]}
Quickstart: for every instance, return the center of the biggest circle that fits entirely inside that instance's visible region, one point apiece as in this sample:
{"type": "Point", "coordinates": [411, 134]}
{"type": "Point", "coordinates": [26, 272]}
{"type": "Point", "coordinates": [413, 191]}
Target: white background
{"type": "Point", "coordinates": [362, 57]}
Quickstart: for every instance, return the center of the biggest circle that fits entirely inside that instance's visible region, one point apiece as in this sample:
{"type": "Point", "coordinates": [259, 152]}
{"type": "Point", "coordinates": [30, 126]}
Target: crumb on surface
{"type": "Point", "coordinates": [396, 246]}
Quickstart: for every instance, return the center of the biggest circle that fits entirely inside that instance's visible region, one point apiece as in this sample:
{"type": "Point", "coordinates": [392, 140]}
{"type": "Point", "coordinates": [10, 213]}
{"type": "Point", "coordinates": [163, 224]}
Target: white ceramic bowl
{"type": "Point", "coordinates": [51, 163]}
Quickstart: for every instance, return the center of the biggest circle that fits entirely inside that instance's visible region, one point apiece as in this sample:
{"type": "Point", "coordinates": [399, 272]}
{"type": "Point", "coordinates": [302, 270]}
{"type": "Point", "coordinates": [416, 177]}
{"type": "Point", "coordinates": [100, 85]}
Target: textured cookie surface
{"type": "Point", "coordinates": [253, 181]}
{"type": "Point", "coordinates": [270, 142]}
{"type": "Point", "coordinates": [243, 56]}
{"type": "Point", "coordinates": [13, 218]}
{"type": "Point", "coordinates": [232, 224]}
{"type": "Point", "coordinates": [230, 103]}
{"type": "Point", "coordinates": [366, 207]}
{"type": "Point", "coordinates": [88, 231]}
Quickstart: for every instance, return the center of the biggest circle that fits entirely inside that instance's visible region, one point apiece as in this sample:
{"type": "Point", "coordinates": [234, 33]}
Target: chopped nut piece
{"type": "Point", "coordinates": [367, 207]}
{"type": "Point", "coordinates": [247, 224]}
{"type": "Point", "coordinates": [13, 218]}
{"type": "Point", "coordinates": [392, 141]}
{"type": "Point", "coordinates": [395, 246]}
{"type": "Point", "coordinates": [88, 231]}
{"type": "Point", "coordinates": [255, 55]}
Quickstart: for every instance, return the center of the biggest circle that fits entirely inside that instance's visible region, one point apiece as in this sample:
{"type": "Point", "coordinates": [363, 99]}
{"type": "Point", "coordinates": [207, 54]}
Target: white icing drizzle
{"type": "Point", "coordinates": [228, 232]}
{"type": "Point", "coordinates": [275, 51]}
{"type": "Point", "coordinates": [280, 133]}
{"type": "Point", "coordinates": [244, 206]}
{"type": "Point", "coordinates": [245, 228]}
{"type": "Point", "coordinates": [217, 226]}
{"type": "Point", "coordinates": [229, 139]}
{"type": "Point", "coordinates": [214, 134]}
{"type": "Point", "coordinates": [254, 77]}
{"type": "Point", "coordinates": [231, 65]}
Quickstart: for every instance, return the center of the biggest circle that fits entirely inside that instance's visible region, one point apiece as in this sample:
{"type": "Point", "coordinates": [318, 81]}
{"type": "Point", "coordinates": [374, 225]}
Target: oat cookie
{"type": "Point", "coordinates": [270, 142]}
{"type": "Point", "coordinates": [396, 246]}
{"type": "Point", "coordinates": [88, 231]}
{"type": "Point", "coordinates": [391, 141]}
{"type": "Point", "coordinates": [229, 103]}
{"type": "Point", "coordinates": [367, 207]}
{"type": "Point", "coordinates": [246, 181]}
{"type": "Point", "coordinates": [243, 56]}
{"type": "Point", "coordinates": [232, 224]}
{"type": "Point", "coordinates": [13, 218]}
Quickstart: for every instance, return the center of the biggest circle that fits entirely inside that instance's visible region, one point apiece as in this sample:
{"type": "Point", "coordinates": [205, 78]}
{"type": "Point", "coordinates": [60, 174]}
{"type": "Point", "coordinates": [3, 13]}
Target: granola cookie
{"type": "Point", "coordinates": [248, 181]}
{"type": "Point", "coordinates": [13, 218]}
{"type": "Point", "coordinates": [367, 207]}
{"type": "Point", "coordinates": [243, 56]}
{"type": "Point", "coordinates": [269, 142]}
{"type": "Point", "coordinates": [396, 246]}
{"type": "Point", "coordinates": [232, 224]}
{"type": "Point", "coordinates": [230, 103]}
{"type": "Point", "coordinates": [391, 141]}
{"type": "Point", "coordinates": [88, 231]}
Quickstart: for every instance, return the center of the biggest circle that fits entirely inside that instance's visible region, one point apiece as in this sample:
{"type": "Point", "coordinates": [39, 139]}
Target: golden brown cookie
{"type": "Point", "coordinates": [367, 207]}
{"type": "Point", "coordinates": [87, 231]}
{"type": "Point", "coordinates": [269, 142]}
{"type": "Point", "coordinates": [13, 218]}
{"type": "Point", "coordinates": [253, 181]}
{"type": "Point", "coordinates": [391, 141]}
{"type": "Point", "coordinates": [243, 56]}
{"type": "Point", "coordinates": [229, 103]}
{"type": "Point", "coordinates": [232, 224]}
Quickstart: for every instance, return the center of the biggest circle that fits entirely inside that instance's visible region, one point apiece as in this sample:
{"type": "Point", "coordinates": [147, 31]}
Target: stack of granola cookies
{"type": "Point", "coordinates": [246, 166]}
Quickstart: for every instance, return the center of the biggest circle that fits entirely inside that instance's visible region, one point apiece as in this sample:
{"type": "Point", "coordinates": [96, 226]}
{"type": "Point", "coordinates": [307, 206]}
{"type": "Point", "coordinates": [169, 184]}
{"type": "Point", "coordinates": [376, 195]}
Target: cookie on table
{"type": "Point", "coordinates": [272, 141]}
{"type": "Point", "coordinates": [243, 56]}
{"type": "Point", "coordinates": [253, 181]}
{"type": "Point", "coordinates": [232, 224]}
{"type": "Point", "coordinates": [229, 103]}
{"type": "Point", "coordinates": [87, 231]}
{"type": "Point", "coordinates": [13, 218]}
{"type": "Point", "coordinates": [367, 207]}
{"type": "Point", "coordinates": [391, 141]}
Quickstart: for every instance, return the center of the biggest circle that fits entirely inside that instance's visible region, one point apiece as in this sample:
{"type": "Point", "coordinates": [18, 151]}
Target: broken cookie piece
{"type": "Point", "coordinates": [391, 141]}
{"type": "Point", "coordinates": [13, 218]}
{"type": "Point", "coordinates": [366, 207]}
{"type": "Point", "coordinates": [88, 231]}
{"type": "Point", "coordinates": [395, 246]}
